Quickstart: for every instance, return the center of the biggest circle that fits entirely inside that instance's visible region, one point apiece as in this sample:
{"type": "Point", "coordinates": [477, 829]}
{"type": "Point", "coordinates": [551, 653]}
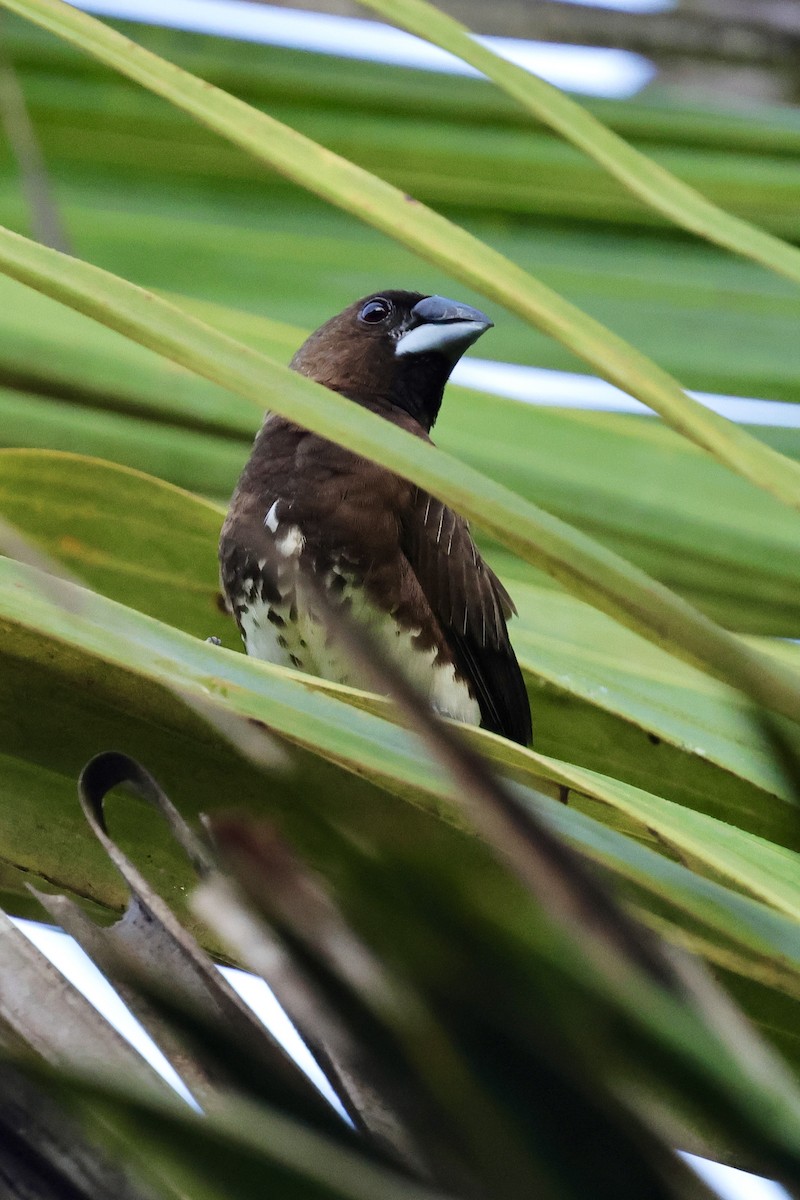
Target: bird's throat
{"type": "Point", "coordinates": [419, 384]}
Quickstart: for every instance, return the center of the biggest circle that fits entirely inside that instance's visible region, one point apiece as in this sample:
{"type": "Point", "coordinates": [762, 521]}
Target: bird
{"type": "Point", "coordinates": [392, 555]}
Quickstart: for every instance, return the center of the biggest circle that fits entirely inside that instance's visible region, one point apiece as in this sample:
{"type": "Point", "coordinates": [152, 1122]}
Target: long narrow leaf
{"type": "Point", "coordinates": [113, 517]}
{"type": "Point", "coordinates": [646, 179]}
{"type": "Point", "coordinates": [408, 221]}
{"type": "Point", "coordinates": [599, 689]}
{"type": "Point", "coordinates": [127, 658]}
{"type": "Point", "coordinates": [582, 565]}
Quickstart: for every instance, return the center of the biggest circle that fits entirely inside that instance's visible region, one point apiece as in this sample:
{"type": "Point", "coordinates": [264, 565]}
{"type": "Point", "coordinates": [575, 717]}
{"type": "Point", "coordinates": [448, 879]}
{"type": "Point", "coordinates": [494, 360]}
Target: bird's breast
{"type": "Point", "coordinates": [282, 622]}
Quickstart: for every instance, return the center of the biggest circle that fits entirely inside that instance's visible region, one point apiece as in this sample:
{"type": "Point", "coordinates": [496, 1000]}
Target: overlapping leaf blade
{"type": "Point", "coordinates": [664, 511]}
{"type": "Point", "coordinates": [104, 672]}
{"type": "Point", "coordinates": [132, 665]}
{"type": "Point", "coordinates": [601, 696]}
{"type": "Point", "coordinates": [639, 174]}
{"type": "Point", "coordinates": [385, 207]}
{"type": "Point", "coordinates": [582, 565]}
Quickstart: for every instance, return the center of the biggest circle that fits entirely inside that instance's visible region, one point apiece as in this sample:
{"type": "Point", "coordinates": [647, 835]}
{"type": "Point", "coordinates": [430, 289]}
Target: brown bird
{"type": "Point", "coordinates": [402, 562]}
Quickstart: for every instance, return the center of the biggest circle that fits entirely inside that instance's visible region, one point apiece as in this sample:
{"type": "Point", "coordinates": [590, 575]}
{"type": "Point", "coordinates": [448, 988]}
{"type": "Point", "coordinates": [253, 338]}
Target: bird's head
{"type": "Point", "coordinates": [393, 348]}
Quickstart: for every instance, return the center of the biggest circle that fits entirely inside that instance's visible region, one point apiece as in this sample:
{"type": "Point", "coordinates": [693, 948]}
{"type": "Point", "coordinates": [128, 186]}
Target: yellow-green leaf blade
{"type": "Point", "coordinates": [584, 567]}
{"type": "Point", "coordinates": [130, 658]}
{"type": "Point", "coordinates": [403, 218]}
{"type": "Point", "coordinates": [601, 697]}
{"type": "Point", "coordinates": [645, 178]}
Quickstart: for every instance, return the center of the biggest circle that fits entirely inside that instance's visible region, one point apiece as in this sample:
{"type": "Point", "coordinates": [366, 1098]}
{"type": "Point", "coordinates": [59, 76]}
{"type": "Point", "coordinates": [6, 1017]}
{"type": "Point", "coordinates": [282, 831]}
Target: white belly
{"type": "Point", "coordinates": [305, 643]}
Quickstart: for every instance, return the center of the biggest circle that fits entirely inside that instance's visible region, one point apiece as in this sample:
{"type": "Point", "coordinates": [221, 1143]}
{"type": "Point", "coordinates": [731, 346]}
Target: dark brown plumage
{"type": "Point", "coordinates": [400, 560]}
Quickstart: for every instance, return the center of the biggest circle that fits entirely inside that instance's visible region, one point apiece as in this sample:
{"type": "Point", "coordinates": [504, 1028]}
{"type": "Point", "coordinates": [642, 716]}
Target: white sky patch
{"type": "Point", "coordinates": [67, 956]}
{"type": "Point", "coordinates": [586, 69]}
{"type": "Point", "coordinates": [568, 389]}
{"type": "Point", "coordinates": [255, 993]}
{"type": "Point", "coordinates": [736, 1185]}
{"type": "Point", "coordinates": [75, 965]}
{"type": "Point", "coordinates": [72, 962]}
{"type": "Point", "coordinates": [631, 6]}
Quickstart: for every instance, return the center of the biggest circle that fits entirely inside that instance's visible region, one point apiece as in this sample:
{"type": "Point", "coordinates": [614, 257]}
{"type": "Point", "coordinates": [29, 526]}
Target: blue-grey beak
{"type": "Point", "coordinates": [444, 326]}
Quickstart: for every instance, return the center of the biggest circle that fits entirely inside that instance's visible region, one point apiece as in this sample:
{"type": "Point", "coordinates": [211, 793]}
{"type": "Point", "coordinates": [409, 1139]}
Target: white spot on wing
{"type": "Point", "coordinates": [291, 543]}
{"type": "Point", "coordinates": [271, 519]}
{"type": "Point", "coordinates": [439, 530]}
{"type": "Point", "coordinates": [452, 532]}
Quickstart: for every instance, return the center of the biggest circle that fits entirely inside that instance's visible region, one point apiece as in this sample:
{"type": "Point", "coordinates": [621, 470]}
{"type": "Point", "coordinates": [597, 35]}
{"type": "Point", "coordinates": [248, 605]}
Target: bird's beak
{"type": "Point", "coordinates": [443, 326]}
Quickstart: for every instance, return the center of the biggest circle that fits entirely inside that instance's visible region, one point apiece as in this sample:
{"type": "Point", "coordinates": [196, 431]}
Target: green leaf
{"type": "Point", "coordinates": [663, 513]}
{"type": "Point", "coordinates": [106, 524]}
{"type": "Point", "coordinates": [601, 697]}
{"type": "Point", "coordinates": [431, 235]}
{"type": "Point", "coordinates": [238, 1151]}
{"type": "Point", "coordinates": [767, 871]}
{"type": "Point", "coordinates": [109, 676]}
{"type": "Point", "coordinates": [583, 566]}
{"type": "Point", "coordinates": [657, 187]}
{"type": "Point", "coordinates": [573, 651]}
{"type": "Point", "coordinates": [120, 155]}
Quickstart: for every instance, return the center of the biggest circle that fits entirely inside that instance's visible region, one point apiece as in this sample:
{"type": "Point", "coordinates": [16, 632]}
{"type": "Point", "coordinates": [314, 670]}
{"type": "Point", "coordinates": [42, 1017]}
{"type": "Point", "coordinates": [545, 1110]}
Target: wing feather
{"type": "Point", "coordinates": [471, 606]}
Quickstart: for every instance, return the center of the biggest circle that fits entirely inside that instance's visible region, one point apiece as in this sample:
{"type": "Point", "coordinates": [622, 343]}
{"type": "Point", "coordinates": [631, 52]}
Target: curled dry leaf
{"type": "Point", "coordinates": [149, 943]}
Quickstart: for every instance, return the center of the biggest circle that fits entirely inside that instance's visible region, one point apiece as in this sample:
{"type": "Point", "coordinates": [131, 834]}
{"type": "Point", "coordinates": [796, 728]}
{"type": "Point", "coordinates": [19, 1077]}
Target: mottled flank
{"type": "Point", "coordinates": [395, 558]}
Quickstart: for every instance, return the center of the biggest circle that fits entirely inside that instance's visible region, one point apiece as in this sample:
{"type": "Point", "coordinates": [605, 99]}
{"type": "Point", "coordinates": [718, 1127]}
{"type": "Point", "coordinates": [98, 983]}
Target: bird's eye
{"type": "Point", "coordinates": [375, 311]}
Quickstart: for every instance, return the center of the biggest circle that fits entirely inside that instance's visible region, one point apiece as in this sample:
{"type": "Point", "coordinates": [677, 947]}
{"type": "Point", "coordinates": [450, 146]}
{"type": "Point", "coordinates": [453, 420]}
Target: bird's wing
{"type": "Point", "coordinates": [471, 606]}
